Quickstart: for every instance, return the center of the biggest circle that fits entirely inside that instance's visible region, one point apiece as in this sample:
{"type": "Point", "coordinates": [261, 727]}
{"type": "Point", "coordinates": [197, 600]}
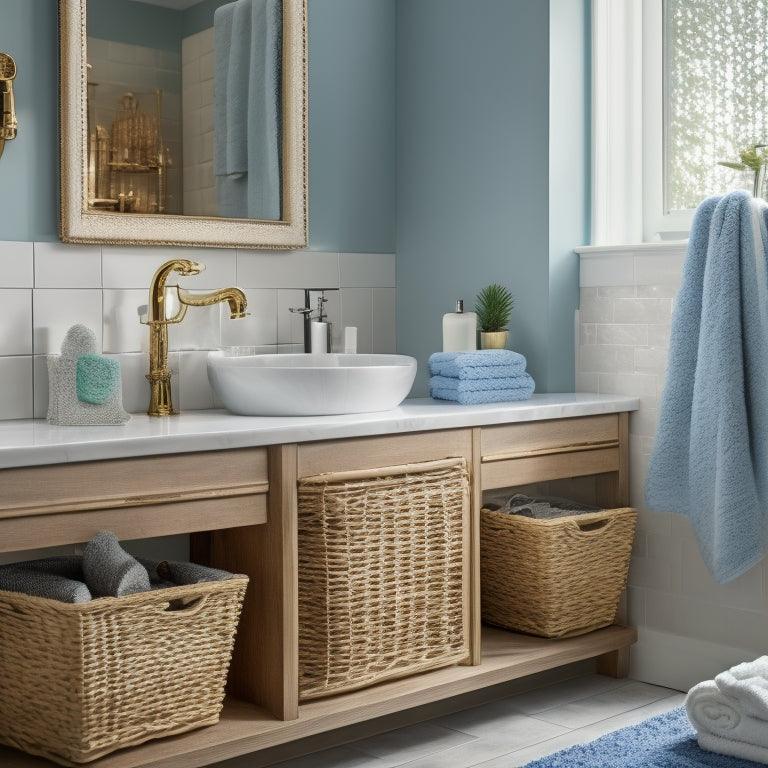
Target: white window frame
{"type": "Point", "coordinates": [627, 126]}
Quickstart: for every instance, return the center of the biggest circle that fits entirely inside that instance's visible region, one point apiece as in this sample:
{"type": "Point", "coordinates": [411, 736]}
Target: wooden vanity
{"type": "Point", "coordinates": [231, 482]}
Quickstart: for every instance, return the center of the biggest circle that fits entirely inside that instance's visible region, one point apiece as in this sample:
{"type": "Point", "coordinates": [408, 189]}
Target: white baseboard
{"type": "Point", "coordinates": [661, 658]}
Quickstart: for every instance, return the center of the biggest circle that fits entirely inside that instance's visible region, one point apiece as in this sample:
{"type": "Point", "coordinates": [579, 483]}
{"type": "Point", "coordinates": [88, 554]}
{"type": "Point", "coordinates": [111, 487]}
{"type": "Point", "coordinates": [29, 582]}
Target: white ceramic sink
{"type": "Point", "coordinates": [309, 385]}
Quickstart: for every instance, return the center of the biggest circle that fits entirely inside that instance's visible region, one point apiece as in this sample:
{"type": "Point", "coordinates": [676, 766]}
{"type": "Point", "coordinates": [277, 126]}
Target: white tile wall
{"type": "Point", "coordinates": [197, 66]}
{"type": "Point", "coordinates": [47, 287]}
{"type": "Point", "coordinates": [697, 626]}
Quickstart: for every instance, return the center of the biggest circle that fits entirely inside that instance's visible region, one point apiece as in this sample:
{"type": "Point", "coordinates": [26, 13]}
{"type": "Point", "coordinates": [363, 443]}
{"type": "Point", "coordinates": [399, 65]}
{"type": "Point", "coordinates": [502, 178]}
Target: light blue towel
{"type": "Point", "coordinates": [482, 391]}
{"type": "Point", "coordinates": [481, 364]}
{"type": "Point", "coordinates": [247, 98]}
{"type": "Point", "coordinates": [710, 457]}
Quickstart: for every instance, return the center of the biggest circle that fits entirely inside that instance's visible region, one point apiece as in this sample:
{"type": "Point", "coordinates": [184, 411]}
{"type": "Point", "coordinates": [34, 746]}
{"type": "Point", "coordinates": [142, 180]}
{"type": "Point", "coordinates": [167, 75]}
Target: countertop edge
{"type": "Point", "coordinates": [34, 442]}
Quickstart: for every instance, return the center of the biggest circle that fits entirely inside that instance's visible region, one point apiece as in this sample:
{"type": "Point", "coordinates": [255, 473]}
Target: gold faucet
{"type": "Point", "coordinates": [159, 376]}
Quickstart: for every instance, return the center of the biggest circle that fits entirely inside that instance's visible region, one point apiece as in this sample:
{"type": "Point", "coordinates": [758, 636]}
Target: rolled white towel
{"type": "Point", "coordinates": [723, 727]}
{"type": "Point", "coordinates": [711, 711]}
{"type": "Point", "coordinates": [748, 684]}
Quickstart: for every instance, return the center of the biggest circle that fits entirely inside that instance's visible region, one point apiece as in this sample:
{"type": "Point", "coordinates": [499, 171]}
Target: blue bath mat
{"type": "Point", "coordinates": [665, 741]}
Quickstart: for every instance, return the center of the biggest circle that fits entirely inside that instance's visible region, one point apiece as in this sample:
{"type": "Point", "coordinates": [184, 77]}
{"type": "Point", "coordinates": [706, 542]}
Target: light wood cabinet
{"type": "Point", "coordinates": [241, 507]}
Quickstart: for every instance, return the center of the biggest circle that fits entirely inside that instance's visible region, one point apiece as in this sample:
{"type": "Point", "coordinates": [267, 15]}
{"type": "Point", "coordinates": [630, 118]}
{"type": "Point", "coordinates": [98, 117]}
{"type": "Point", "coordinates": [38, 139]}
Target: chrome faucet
{"type": "Point", "coordinates": [159, 376]}
{"type": "Point", "coordinates": [315, 319]}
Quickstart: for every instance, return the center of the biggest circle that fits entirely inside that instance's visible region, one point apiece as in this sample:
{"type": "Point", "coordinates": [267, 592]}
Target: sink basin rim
{"type": "Point", "coordinates": [310, 384]}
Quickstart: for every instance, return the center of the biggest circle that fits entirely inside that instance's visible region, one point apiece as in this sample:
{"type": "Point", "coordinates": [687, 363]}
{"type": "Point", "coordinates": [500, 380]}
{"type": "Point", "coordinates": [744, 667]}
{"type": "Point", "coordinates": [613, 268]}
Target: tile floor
{"type": "Point", "coordinates": [504, 733]}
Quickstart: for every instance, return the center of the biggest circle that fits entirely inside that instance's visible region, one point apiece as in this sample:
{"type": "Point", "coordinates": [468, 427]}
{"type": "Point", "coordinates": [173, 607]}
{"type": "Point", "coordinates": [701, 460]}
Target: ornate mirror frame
{"type": "Point", "coordinates": [79, 225]}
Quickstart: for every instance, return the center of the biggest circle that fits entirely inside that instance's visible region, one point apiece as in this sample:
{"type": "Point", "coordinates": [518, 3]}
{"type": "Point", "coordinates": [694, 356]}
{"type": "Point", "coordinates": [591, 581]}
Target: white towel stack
{"type": "Point", "coordinates": [730, 713]}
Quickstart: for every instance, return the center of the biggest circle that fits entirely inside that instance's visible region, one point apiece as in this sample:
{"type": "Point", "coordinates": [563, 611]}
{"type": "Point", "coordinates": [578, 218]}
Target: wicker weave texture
{"type": "Point", "coordinates": [81, 680]}
{"type": "Point", "coordinates": [382, 574]}
{"type": "Point", "coordinates": [557, 577]}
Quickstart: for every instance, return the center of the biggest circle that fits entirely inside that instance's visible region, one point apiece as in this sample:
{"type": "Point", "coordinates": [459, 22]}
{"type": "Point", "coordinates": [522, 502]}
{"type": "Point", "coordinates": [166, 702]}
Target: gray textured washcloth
{"type": "Point", "coordinates": [21, 577]}
{"type": "Point", "coordinates": [170, 573]}
{"type": "Point", "coordinates": [70, 566]}
{"type": "Point", "coordinates": [109, 570]}
{"type": "Point", "coordinates": [546, 508]}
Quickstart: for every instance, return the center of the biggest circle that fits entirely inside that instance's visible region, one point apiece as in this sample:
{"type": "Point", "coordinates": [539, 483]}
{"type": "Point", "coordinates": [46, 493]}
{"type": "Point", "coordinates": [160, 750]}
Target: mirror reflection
{"type": "Point", "coordinates": [184, 107]}
{"type": "Point", "coordinates": [183, 122]}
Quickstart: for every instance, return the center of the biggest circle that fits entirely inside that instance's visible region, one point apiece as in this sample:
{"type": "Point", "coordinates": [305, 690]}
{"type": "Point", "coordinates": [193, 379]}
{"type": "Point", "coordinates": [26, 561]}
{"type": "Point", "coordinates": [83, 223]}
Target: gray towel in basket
{"type": "Point", "coordinates": [109, 570]}
{"type": "Point", "coordinates": [168, 573]}
{"type": "Point", "coordinates": [25, 578]}
{"type": "Point", "coordinates": [546, 508]}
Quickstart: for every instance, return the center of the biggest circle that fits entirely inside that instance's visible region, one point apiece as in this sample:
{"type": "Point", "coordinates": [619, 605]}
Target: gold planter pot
{"type": "Point", "coordinates": [493, 339]}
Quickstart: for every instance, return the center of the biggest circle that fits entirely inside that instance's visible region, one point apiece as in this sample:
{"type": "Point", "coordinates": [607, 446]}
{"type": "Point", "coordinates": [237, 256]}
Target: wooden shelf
{"type": "Point", "coordinates": [245, 728]}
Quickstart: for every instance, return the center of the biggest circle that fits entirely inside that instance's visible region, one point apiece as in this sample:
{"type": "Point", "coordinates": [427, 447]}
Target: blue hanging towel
{"type": "Point", "coordinates": [710, 456]}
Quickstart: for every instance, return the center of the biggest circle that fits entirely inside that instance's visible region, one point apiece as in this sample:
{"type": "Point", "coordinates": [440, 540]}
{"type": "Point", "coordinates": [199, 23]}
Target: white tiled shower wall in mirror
{"type": "Point", "coordinates": [47, 287]}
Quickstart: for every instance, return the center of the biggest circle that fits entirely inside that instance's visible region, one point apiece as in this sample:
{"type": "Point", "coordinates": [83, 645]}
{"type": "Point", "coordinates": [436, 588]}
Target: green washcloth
{"type": "Point", "coordinates": [97, 377]}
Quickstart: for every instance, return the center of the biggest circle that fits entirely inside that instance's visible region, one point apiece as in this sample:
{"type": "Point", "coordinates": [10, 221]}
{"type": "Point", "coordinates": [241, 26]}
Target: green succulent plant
{"type": "Point", "coordinates": [493, 305]}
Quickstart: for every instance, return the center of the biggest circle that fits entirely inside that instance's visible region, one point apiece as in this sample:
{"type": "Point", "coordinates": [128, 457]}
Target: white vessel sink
{"type": "Point", "coordinates": [309, 385]}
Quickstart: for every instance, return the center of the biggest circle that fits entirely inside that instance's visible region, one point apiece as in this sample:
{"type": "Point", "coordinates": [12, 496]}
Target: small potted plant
{"type": "Point", "coordinates": [493, 306]}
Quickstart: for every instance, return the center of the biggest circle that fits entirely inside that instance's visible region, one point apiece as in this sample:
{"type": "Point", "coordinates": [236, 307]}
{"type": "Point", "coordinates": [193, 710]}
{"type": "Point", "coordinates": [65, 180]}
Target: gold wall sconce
{"type": "Point", "coordinates": [8, 125]}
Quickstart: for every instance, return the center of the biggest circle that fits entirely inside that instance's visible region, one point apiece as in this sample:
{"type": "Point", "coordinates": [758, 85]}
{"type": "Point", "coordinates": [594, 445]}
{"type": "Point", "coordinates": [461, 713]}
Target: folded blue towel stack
{"type": "Point", "coordinates": [483, 376]}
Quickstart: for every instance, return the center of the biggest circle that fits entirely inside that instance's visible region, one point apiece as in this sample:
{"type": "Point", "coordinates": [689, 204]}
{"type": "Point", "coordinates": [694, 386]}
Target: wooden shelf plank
{"type": "Point", "coordinates": [245, 728]}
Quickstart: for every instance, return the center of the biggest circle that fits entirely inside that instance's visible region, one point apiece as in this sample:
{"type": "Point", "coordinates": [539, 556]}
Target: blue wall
{"type": "Point", "coordinates": [453, 132]}
{"type": "Point", "coordinates": [351, 124]}
{"type": "Point", "coordinates": [478, 198]}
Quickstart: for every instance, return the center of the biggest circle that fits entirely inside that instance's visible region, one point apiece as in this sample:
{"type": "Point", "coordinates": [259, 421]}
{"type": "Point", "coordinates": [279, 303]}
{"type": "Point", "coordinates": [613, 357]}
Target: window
{"type": "Point", "coordinates": [694, 75]}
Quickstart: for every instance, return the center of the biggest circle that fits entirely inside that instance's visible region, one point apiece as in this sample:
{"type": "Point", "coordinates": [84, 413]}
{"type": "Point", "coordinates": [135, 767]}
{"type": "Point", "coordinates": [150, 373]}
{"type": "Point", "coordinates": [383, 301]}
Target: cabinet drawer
{"type": "Point", "coordinates": [516, 454]}
{"type": "Point", "coordinates": [135, 498]}
{"type": "Point", "coordinates": [132, 482]}
{"type": "Point", "coordinates": [382, 451]}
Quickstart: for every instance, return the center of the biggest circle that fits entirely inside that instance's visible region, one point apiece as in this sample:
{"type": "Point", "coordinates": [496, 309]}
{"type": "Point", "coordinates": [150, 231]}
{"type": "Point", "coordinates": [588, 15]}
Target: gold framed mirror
{"type": "Point", "coordinates": [125, 178]}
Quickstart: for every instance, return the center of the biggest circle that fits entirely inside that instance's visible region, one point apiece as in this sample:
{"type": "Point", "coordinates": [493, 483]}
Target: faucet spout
{"type": "Point", "coordinates": [159, 376]}
{"type": "Point", "coordinates": [233, 296]}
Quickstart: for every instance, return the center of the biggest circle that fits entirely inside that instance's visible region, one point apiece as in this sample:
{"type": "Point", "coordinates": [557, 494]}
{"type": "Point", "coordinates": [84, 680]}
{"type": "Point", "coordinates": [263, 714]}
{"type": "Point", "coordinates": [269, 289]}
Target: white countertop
{"type": "Point", "coordinates": [33, 442]}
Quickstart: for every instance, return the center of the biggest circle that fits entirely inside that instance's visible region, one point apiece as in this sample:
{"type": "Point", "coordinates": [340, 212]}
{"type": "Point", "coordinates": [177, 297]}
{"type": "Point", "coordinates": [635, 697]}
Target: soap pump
{"type": "Point", "coordinates": [459, 330]}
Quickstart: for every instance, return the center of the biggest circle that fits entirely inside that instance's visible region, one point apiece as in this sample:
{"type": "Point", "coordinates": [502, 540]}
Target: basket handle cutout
{"type": "Point", "coordinates": [593, 527]}
{"type": "Point", "coordinates": [184, 606]}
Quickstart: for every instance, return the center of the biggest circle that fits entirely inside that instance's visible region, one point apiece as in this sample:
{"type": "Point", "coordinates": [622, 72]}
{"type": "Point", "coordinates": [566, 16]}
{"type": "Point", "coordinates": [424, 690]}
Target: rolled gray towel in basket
{"type": "Point", "coordinates": [109, 570]}
{"type": "Point", "coordinates": [22, 577]}
{"type": "Point", "coordinates": [170, 572]}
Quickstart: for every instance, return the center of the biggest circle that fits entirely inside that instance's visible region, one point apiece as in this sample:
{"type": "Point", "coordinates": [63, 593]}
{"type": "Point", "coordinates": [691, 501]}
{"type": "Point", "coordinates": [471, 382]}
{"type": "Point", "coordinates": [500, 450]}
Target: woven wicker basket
{"type": "Point", "coordinates": [81, 680]}
{"type": "Point", "coordinates": [383, 574]}
{"type": "Point", "coordinates": [556, 577]}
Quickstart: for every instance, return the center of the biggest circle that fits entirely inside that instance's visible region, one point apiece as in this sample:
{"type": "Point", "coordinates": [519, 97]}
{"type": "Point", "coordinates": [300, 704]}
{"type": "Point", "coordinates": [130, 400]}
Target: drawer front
{"type": "Point", "coordinates": [133, 482]}
{"type": "Point", "coordinates": [548, 437]}
{"type": "Point", "coordinates": [529, 452]}
{"type": "Point", "coordinates": [383, 451]}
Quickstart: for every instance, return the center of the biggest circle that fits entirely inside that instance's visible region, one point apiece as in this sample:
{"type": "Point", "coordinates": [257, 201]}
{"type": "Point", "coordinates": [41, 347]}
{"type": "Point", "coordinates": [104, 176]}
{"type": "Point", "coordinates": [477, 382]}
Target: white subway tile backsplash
{"type": "Point", "coordinates": [362, 270]}
{"type": "Point", "coordinates": [16, 264]}
{"type": "Point", "coordinates": [48, 287]}
{"type": "Point", "coordinates": [641, 310]}
{"type": "Point", "coordinates": [288, 269]}
{"type": "Point", "coordinates": [123, 331]}
{"type": "Point", "coordinates": [290, 325]}
{"type": "Point", "coordinates": [16, 328]}
{"type": "Point", "coordinates": [55, 310]}
{"type": "Point", "coordinates": [259, 327]}
{"type": "Point", "coordinates": [357, 310]}
{"type": "Point", "coordinates": [629, 334]}
{"type": "Point", "coordinates": [16, 378]}
{"type": "Point", "coordinates": [598, 269]}
{"type": "Point", "coordinates": [133, 370]}
{"type": "Point", "coordinates": [652, 269]}
{"type": "Point", "coordinates": [195, 392]}
{"type": "Point", "coordinates": [384, 326]}
{"type": "Point", "coordinates": [65, 265]}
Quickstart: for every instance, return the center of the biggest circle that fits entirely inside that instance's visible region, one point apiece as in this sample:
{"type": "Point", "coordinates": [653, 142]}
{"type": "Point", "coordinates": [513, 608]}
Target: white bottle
{"type": "Point", "coordinates": [459, 330]}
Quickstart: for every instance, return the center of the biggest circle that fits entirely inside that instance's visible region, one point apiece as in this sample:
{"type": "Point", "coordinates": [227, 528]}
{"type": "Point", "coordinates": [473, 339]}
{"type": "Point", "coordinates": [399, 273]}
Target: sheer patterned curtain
{"type": "Point", "coordinates": [716, 94]}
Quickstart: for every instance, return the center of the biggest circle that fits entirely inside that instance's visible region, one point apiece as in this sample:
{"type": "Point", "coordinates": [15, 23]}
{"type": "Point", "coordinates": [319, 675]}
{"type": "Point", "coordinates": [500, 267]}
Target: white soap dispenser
{"type": "Point", "coordinates": [459, 330]}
